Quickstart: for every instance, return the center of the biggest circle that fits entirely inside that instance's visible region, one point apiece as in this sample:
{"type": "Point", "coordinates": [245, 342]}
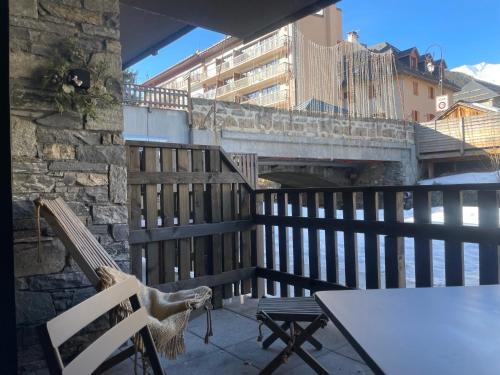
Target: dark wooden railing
{"type": "Point", "coordinates": [155, 97]}
{"type": "Point", "coordinates": [248, 166]}
{"type": "Point", "coordinates": [189, 215]}
{"type": "Point", "coordinates": [288, 215]}
{"type": "Point", "coordinates": [196, 220]}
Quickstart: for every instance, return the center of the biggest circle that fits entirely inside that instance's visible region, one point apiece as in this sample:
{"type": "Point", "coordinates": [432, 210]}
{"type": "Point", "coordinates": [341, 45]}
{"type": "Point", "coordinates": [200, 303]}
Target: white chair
{"type": "Point", "coordinates": [97, 355]}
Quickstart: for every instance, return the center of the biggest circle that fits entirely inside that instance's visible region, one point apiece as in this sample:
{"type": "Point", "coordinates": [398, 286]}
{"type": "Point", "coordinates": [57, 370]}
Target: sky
{"type": "Point", "coordinates": [467, 31]}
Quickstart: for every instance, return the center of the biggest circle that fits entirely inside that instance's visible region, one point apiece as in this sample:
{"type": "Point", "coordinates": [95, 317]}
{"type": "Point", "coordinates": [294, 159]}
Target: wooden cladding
{"type": "Point", "coordinates": [310, 231]}
{"type": "Point", "coordinates": [190, 215]}
{"type": "Point", "coordinates": [454, 137]}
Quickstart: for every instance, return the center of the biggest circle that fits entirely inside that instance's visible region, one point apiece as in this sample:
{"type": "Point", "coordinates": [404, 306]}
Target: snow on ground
{"type": "Point", "coordinates": [464, 178]}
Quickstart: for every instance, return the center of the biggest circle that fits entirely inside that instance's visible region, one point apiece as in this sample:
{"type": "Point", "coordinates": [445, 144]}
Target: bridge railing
{"type": "Point", "coordinates": [155, 97]}
{"type": "Point", "coordinates": [375, 237]}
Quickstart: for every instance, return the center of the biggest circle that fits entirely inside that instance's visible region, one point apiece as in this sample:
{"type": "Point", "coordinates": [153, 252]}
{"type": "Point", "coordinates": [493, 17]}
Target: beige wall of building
{"type": "Point", "coordinates": [420, 105]}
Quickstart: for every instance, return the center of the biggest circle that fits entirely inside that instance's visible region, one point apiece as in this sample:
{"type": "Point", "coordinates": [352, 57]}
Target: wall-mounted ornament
{"type": "Point", "coordinates": [79, 78]}
{"type": "Point", "coordinates": [79, 81]}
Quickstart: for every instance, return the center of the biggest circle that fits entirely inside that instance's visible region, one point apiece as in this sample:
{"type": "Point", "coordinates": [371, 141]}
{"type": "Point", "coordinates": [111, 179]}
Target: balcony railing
{"type": "Point", "coordinates": [269, 99]}
{"type": "Point", "coordinates": [156, 97]}
{"type": "Point", "coordinates": [212, 228]}
{"type": "Point", "coordinates": [253, 52]}
{"type": "Point", "coordinates": [270, 72]}
{"type": "Point", "coordinates": [364, 237]}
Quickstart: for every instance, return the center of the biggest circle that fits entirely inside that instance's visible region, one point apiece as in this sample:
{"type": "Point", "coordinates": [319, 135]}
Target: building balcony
{"type": "Point", "coordinates": [268, 100]}
{"type": "Point", "coordinates": [252, 56]}
{"type": "Point", "coordinates": [253, 82]}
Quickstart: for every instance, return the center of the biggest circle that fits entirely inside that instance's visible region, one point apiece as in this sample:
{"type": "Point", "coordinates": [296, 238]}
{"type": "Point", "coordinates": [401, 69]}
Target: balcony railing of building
{"type": "Point", "coordinates": [203, 224]}
{"type": "Point", "coordinates": [250, 80]}
{"type": "Point", "coordinates": [268, 99]}
{"type": "Point", "coordinates": [197, 77]}
{"type": "Point", "coordinates": [155, 97]}
{"type": "Point", "coordinates": [252, 52]}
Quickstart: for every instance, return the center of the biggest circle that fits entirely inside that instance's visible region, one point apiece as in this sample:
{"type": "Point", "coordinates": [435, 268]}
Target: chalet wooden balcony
{"type": "Point", "coordinates": [458, 137]}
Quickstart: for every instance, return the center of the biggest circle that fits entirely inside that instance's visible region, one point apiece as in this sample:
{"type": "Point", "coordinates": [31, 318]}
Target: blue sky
{"type": "Point", "coordinates": [468, 31]}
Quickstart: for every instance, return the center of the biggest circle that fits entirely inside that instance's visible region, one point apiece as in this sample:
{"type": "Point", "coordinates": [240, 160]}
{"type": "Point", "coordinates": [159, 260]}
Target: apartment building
{"type": "Point", "coordinates": [418, 85]}
{"type": "Point", "coordinates": [258, 72]}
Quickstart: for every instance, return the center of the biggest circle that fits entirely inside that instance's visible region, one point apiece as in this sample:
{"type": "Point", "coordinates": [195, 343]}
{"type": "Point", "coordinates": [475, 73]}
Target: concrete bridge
{"type": "Point", "coordinates": [294, 148]}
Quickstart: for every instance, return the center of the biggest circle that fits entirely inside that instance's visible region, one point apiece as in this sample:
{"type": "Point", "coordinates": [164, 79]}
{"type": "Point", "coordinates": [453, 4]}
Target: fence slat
{"type": "Point", "coordinates": [246, 238]}
{"type": "Point", "coordinates": [423, 246]}
{"type": "Point", "coordinates": [283, 241]}
{"type": "Point", "coordinates": [395, 276]}
{"type": "Point", "coordinates": [350, 243]}
{"type": "Point", "coordinates": [489, 254]}
{"type": "Point", "coordinates": [453, 249]}
{"type": "Point", "coordinates": [200, 243]}
{"type": "Point", "coordinates": [269, 232]}
{"type": "Point", "coordinates": [215, 254]}
{"type": "Point", "coordinates": [331, 251]}
{"type": "Point", "coordinates": [134, 198]}
{"type": "Point", "coordinates": [168, 208]}
{"type": "Point", "coordinates": [184, 210]}
{"type": "Point", "coordinates": [298, 242]}
{"type": "Point", "coordinates": [313, 234]}
{"type": "Point", "coordinates": [151, 205]}
{"type": "Point", "coordinates": [227, 238]}
{"type": "Point", "coordinates": [372, 248]}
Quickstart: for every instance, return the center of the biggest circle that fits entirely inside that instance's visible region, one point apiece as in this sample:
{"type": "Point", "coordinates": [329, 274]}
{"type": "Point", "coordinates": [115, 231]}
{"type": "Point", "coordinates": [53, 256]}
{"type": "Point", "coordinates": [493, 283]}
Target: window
{"type": "Point", "coordinates": [414, 116]}
{"type": "Point", "coordinates": [431, 92]}
{"type": "Point", "coordinates": [415, 88]}
{"type": "Point", "coordinates": [413, 62]}
{"type": "Point", "coordinates": [430, 117]}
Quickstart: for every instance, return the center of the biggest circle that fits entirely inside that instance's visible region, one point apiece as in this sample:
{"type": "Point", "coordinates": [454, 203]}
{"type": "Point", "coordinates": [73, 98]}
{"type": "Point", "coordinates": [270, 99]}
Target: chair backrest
{"type": "Point", "coordinates": [80, 242]}
{"type": "Point", "coordinates": [61, 328]}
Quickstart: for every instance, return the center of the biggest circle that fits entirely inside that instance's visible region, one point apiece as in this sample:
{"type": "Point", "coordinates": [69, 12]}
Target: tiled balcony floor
{"type": "Point", "coordinates": [234, 348]}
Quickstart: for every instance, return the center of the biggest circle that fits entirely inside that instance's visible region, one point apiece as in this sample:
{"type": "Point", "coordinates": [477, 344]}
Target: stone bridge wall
{"type": "Point", "coordinates": [271, 121]}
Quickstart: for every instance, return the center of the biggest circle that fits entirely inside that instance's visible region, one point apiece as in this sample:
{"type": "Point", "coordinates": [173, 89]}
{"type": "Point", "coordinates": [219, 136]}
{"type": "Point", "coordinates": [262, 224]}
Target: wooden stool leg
{"type": "Point", "coordinates": [273, 337]}
{"type": "Point", "coordinates": [317, 345]}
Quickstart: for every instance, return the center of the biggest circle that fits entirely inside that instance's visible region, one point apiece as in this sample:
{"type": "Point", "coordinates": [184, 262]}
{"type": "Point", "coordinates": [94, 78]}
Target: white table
{"type": "Point", "coordinates": [453, 330]}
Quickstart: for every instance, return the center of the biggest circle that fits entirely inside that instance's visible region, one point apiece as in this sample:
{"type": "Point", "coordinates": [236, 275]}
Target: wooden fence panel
{"type": "Point", "coordinates": [453, 249]}
{"type": "Point", "coordinates": [151, 206]}
{"type": "Point", "coordinates": [350, 243]}
{"type": "Point", "coordinates": [423, 245]}
{"type": "Point", "coordinates": [395, 276]}
{"type": "Point", "coordinates": [197, 215]}
{"type": "Point", "coordinates": [283, 241]}
{"type": "Point", "coordinates": [168, 212]}
{"type": "Point", "coordinates": [372, 248]}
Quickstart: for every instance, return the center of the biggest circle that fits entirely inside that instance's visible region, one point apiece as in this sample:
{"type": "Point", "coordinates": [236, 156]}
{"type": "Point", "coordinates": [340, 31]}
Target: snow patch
{"type": "Point", "coordinates": [482, 71]}
{"type": "Point", "coordinates": [464, 178]}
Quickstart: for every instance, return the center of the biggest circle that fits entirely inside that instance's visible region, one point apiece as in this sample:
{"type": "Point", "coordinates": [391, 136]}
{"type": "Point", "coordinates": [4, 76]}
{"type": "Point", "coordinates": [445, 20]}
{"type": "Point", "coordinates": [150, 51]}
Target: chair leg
{"type": "Point", "coordinates": [293, 344]}
{"type": "Point", "coordinates": [273, 336]}
{"type": "Point", "coordinates": [317, 345]}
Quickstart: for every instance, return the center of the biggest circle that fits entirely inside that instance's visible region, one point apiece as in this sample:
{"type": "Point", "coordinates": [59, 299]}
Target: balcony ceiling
{"type": "Point", "coordinates": [148, 25]}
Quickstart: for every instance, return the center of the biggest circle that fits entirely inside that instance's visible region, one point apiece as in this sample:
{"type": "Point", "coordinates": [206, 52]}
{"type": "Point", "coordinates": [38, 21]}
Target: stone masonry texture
{"type": "Point", "coordinates": [62, 155]}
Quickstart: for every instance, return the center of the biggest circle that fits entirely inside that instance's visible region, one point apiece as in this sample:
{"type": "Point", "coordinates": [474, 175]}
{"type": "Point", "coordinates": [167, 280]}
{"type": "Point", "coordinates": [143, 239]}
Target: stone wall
{"type": "Point", "coordinates": [64, 155]}
{"type": "Point", "coordinates": [265, 120]}
{"type": "Point", "coordinates": [280, 134]}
